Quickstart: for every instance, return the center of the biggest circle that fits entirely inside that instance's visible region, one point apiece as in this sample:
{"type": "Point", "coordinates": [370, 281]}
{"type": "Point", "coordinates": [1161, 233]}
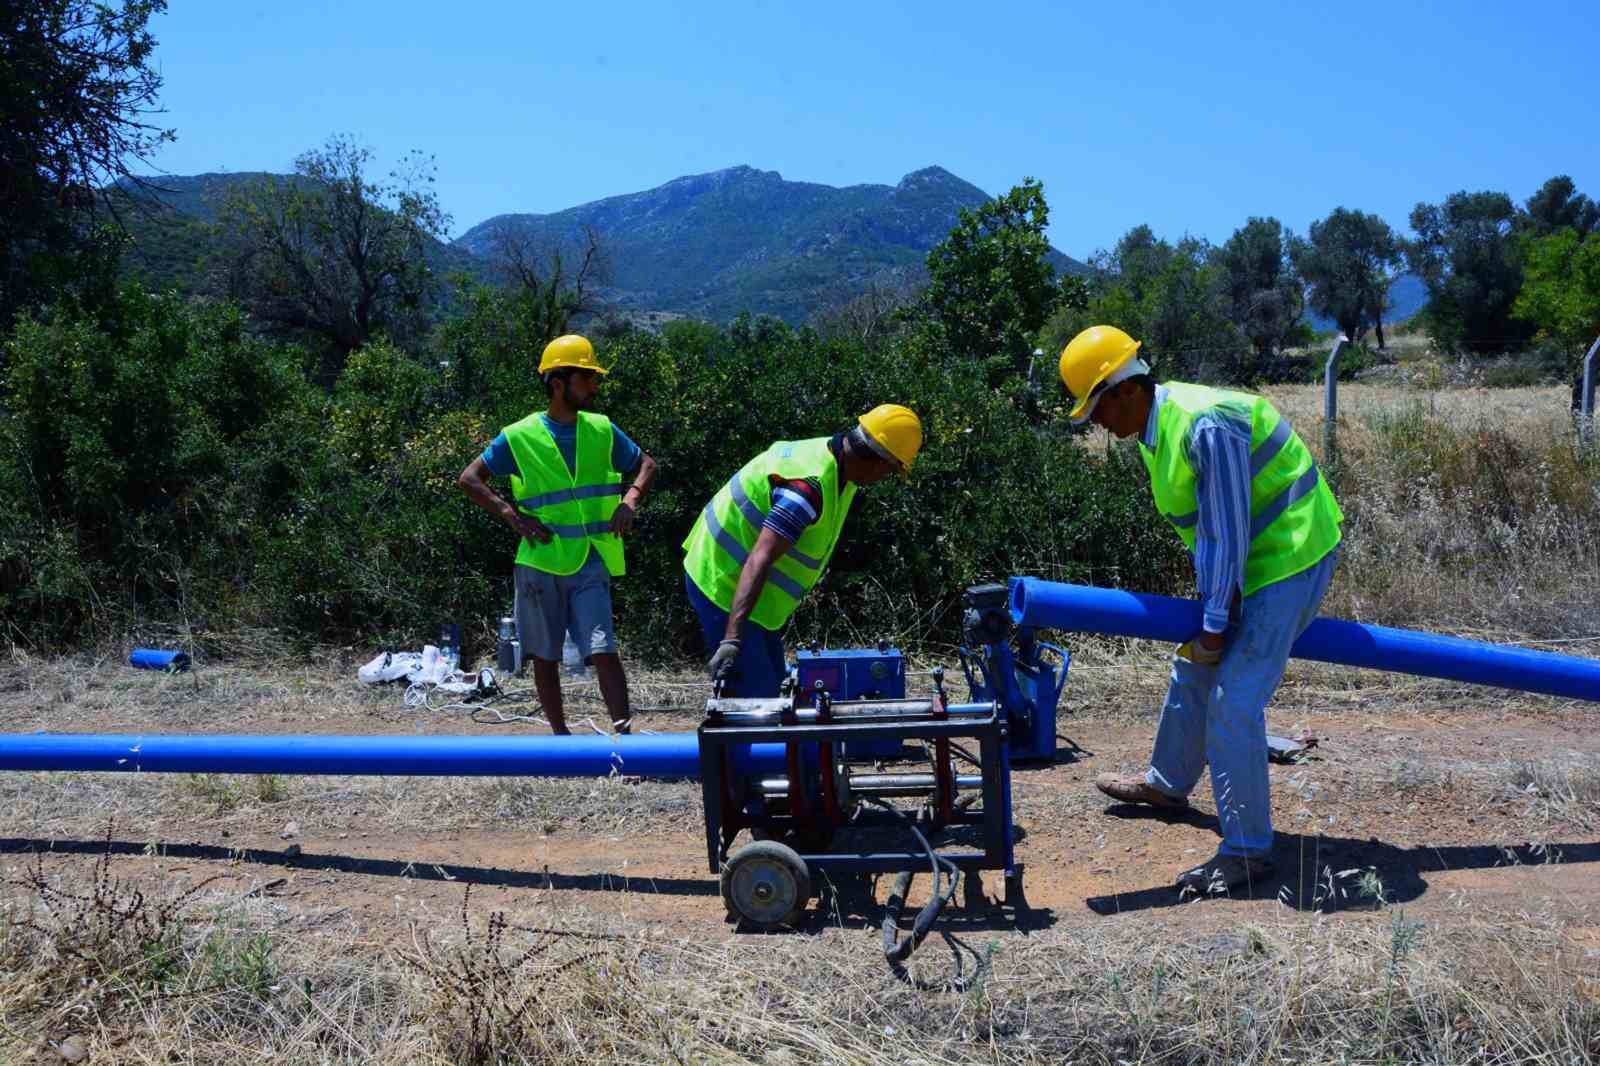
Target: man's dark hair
{"type": "Point", "coordinates": [559, 374]}
{"type": "Point", "coordinates": [858, 444]}
{"type": "Point", "coordinates": [1145, 382]}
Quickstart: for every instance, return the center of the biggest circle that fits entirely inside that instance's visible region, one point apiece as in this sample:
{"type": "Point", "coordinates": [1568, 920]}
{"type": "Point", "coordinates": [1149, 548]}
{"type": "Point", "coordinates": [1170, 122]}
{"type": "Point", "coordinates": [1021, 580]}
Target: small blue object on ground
{"type": "Point", "coordinates": [156, 659]}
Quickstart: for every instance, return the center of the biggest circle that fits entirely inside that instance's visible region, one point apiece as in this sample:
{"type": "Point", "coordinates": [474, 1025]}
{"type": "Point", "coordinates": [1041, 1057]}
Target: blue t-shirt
{"type": "Point", "coordinates": [625, 454]}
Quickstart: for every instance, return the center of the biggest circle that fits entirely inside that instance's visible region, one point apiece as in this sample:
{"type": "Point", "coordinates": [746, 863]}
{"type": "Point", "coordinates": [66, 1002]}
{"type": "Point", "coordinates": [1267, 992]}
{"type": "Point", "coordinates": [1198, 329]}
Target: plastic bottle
{"type": "Point", "coordinates": [450, 646]}
{"type": "Point", "coordinates": [505, 655]}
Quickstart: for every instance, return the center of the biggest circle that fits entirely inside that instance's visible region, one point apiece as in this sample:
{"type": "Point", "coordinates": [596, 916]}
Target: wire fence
{"type": "Point", "coordinates": [1408, 358]}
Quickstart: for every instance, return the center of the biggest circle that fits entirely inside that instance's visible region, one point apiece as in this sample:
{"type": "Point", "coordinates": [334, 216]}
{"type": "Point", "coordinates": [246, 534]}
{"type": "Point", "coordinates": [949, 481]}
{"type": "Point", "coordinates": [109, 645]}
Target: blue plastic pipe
{"type": "Point", "coordinates": [659, 755]}
{"type": "Point", "coordinates": [157, 659]}
{"type": "Point", "coordinates": [1050, 605]}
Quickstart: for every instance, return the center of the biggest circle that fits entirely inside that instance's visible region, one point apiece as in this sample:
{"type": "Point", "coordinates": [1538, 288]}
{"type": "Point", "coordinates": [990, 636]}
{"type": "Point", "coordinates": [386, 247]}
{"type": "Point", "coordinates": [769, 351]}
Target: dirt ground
{"type": "Point", "coordinates": [1459, 800]}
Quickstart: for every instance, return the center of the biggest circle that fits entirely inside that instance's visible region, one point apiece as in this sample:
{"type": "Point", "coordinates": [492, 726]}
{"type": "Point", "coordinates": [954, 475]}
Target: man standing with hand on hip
{"type": "Point", "coordinates": [1246, 498]}
{"type": "Point", "coordinates": [576, 481]}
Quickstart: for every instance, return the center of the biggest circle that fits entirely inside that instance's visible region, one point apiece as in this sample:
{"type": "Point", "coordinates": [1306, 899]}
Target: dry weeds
{"type": "Point", "coordinates": [1468, 510]}
{"type": "Point", "coordinates": [217, 980]}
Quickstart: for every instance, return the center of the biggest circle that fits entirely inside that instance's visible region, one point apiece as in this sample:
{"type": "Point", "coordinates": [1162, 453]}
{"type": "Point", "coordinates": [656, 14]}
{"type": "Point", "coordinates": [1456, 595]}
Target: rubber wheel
{"type": "Point", "coordinates": [766, 884]}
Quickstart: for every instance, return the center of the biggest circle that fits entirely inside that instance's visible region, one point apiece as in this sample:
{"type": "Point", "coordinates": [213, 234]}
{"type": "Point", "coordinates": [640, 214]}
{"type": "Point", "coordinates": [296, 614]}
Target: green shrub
{"type": "Point", "coordinates": [141, 443]}
{"type": "Point", "coordinates": [174, 468]}
{"type": "Point", "coordinates": [994, 492]}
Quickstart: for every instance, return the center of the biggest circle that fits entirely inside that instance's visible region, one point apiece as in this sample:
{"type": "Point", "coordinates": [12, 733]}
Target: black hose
{"type": "Point", "coordinates": [967, 755]}
{"type": "Point", "coordinates": [897, 949]}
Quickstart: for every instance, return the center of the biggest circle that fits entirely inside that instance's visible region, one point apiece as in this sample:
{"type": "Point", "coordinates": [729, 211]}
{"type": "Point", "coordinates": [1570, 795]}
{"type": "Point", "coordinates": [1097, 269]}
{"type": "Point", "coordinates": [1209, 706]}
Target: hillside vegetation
{"type": "Point", "coordinates": [710, 246]}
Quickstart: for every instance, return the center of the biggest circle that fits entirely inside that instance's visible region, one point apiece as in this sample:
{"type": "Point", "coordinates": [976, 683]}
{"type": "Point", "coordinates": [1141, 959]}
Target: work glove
{"type": "Point", "coordinates": [722, 660]}
{"type": "Point", "coordinates": [1199, 654]}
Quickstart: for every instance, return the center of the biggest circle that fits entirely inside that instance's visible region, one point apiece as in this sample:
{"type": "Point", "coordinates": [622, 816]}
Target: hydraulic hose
{"type": "Point", "coordinates": [897, 949]}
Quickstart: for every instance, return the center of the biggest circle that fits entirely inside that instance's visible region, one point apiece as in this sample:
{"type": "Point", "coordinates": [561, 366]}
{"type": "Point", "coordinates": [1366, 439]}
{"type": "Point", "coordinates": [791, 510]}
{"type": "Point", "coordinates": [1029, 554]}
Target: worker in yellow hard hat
{"type": "Point", "coordinates": [1245, 496]}
{"type": "Point", "coordinates": [764, 539]}
{"type": "Point", "coordinates": [576, 482]}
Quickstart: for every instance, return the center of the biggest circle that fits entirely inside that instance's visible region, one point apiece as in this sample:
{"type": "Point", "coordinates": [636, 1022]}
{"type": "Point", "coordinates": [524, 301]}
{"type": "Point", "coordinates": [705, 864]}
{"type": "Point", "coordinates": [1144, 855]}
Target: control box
{"type": "Point", "coordinates": [854, 674]}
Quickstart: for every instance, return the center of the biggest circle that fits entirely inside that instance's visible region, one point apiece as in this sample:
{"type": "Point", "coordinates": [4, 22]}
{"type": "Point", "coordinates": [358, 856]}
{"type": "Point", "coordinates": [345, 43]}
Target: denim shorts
{"type": "Point", "coordinates": [549, 606]}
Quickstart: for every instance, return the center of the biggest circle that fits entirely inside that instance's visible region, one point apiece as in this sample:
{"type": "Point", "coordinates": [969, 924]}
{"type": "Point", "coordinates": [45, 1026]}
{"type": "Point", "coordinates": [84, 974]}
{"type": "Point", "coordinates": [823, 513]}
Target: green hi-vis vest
{"type": "Point", "coordinates": [1294, 519]}
{"type": "Point", "coordinates": [720, 542]}
{"type": "Point", "coordinates": [575, 505]}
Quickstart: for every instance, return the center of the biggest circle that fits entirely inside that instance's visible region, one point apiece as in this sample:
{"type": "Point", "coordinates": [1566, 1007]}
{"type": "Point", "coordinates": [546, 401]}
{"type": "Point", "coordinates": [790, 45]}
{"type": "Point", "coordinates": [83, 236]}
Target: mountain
{"type": "Point", "coordinates": [708, 245]}
{"type": "Point", "coordinates": [169, 219]}
{"type": "Point", "coordinates": [195, 196]}
{"type": "Point", "coordinates": [1407, 295]}
{"type": "Point", "coordinates": [742, 239]}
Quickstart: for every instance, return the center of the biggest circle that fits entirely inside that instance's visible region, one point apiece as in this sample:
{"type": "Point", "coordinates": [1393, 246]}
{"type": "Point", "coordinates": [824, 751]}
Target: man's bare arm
{"type": "Point", "coordinates": [770, 547]}
{"type": "Point", "coordinates": [474, 481]}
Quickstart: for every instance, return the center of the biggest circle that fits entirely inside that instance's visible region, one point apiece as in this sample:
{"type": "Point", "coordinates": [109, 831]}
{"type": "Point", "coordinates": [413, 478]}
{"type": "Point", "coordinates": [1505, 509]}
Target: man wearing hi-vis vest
{"type": "Point", "coordinates": [764, 539]}
{"type": "Point", "coordinates": [1249, 503]}
{"type": "Point", "coordinates": [576, 481]}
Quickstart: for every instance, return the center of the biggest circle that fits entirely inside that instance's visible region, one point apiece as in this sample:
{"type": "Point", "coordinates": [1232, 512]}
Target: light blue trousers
{"type": "Point", "coordinates": [1218, 714]}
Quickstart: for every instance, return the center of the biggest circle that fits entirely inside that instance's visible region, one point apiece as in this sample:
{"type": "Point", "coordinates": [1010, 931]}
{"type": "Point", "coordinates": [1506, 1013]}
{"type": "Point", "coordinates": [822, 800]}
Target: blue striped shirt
{"type": "Point", "coordinates": [1218, 448]}
{"type": "Point", "coordinates": [791, 512]}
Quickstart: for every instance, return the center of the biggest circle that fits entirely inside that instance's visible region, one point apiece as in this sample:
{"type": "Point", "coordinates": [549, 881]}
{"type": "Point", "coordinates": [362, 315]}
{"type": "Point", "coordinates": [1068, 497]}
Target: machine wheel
{"type": "Point", "coordinates": [766, 884]}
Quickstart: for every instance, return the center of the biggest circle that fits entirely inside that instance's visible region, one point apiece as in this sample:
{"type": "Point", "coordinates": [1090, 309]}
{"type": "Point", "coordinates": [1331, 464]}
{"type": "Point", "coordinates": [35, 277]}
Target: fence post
{"type": "Point", "coordinates": [1330, 407]}
{"type": "Point", "coordinates": [1586, 400]}
{"type": "Point", "coordinates": [1330, 380]}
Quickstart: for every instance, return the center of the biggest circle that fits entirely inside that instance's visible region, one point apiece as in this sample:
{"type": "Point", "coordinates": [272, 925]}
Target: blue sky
{"type": "Point", "coordinates": [1188, 117]}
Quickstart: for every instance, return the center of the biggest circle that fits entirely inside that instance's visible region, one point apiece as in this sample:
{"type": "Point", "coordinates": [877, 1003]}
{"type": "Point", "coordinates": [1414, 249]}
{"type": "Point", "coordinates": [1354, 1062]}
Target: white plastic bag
{"type": "Point", "coordinates": [389, 666]}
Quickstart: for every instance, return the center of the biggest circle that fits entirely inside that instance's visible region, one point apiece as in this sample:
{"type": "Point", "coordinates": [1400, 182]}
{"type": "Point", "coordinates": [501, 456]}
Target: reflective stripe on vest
{"type": "Point", "coordinates": [757, 518]}
{"type": "Point", "coordinates": [718, 546]}
{"type": "Point", "coordinates": [566, 495]}
{"type": "Point", "coordinates": [1294, 517]}
{"type": "Point", "coordinates": [1259, 458]}
{"type": "Point", "coordinates": [726, 542]}
{"type": "Point", "coordinates": [575, 503]}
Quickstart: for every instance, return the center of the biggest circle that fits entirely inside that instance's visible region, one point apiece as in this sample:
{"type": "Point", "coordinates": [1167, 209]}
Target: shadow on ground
{"type": "Point", "coordinates": [848, 902]}
{"type": "Point", "coordinates": [416, 871]}
{"type": "Point", "coordinates": [1326, 873]}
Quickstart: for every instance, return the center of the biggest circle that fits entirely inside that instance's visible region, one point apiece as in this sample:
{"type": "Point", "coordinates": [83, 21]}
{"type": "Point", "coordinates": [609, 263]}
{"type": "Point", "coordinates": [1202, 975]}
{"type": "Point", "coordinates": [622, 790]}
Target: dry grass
{"type": "Point", "coordinates": [1561, 791]}
{"type": "Point", "coordinates": [203, 979]}
{"type": "Point", "coordinates": [1468, 510]}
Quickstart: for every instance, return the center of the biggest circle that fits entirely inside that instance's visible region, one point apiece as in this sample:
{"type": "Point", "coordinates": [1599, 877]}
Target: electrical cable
{"type": "Point", "coordinates": [483, 705]}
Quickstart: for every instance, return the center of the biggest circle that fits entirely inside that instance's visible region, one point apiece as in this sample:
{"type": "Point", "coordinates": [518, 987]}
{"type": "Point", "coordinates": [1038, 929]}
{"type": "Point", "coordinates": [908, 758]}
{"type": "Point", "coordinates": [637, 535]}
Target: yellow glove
{"type": "Point", "coordinates": [1198, 653]}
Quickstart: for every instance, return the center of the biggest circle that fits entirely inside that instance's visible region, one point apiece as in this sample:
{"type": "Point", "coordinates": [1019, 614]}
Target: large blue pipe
{"type": "Point", "coordinates": [658, 755]}
{"type": "Point", "coordinates": [1050, 605]}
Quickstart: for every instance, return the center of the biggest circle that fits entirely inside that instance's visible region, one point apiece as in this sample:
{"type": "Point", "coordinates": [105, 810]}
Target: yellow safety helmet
{"type": "Point", "coordinates": [571, 350]}
{"type": "Point", "coordinates": [896, 432]}
{"type": "Point", "coordinates": [1089, 360]}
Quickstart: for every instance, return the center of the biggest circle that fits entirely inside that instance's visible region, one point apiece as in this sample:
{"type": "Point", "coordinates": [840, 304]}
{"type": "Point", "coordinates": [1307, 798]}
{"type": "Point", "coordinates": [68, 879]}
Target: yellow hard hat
{"type": "Point", "coordinates": [896, 430]}
{"type": "Point", "coordinates": [570, 350]}
{"type": "Point", "coordinates": [1089, 359]}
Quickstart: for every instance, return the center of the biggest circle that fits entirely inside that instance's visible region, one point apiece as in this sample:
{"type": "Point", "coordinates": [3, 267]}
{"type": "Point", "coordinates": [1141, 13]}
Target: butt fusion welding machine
{"type": "Point", "coordinates": [843, 715]}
